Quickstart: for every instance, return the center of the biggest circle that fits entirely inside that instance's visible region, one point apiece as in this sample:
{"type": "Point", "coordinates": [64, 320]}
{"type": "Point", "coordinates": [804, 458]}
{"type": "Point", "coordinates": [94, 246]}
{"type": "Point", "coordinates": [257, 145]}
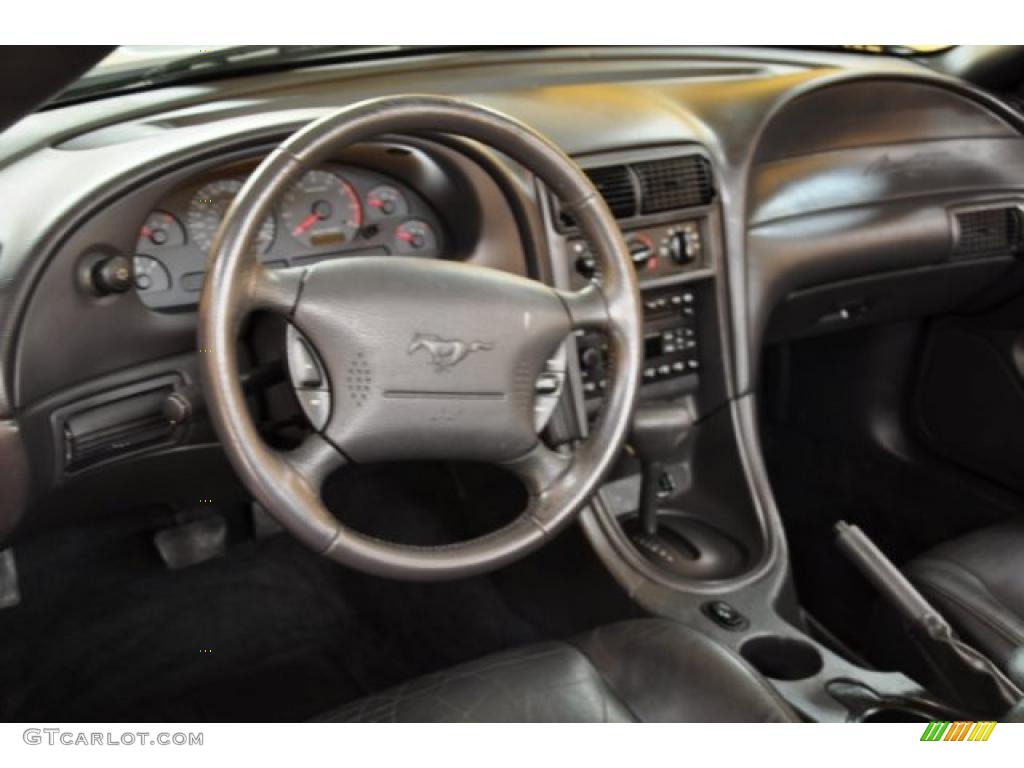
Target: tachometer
{"type": "Point", "coordinates": [207, 210]}
{"type": "Point", "coordinates": [322, 209]}
{"type": "Point", "coordinates": [160, 230]}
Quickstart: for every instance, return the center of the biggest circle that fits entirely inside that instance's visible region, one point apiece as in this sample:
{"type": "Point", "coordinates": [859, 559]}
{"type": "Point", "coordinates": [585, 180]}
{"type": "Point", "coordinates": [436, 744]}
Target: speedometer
{"type": "Point", "coordinates": [207, 209]}
{"type": "Point", "coordinates": [322, 209]}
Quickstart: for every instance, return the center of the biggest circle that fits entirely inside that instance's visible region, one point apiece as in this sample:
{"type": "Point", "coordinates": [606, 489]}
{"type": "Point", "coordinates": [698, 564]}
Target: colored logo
{"type": "Point", "coordinates": [943, 730]}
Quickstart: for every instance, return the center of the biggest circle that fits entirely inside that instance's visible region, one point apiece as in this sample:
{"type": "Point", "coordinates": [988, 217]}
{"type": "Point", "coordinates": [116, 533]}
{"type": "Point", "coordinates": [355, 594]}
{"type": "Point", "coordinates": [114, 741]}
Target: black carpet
{"type": "Point", "coordinates": [272, 632]}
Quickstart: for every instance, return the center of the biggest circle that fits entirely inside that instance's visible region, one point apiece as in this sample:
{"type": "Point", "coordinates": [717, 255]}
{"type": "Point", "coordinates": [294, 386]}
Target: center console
{"type": "Point", "coordinates": [677, 523]}
{"type": "Point", "coordinates": [666, 511]}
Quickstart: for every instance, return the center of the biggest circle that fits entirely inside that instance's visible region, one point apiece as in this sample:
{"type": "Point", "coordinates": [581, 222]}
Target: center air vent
{"type": "Point", "coordinates": [989, 232]}
{"type": "Point", "coordinates": [676, 182]}
{"type": "Point", "coordinates": [651, 186]}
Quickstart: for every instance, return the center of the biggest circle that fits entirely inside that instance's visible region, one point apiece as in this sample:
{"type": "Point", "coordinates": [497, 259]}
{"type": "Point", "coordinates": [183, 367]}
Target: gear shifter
{"type": "Point", "coordinates": [658, 432]}
{"type": "Point", "coordinates": [680, 543]}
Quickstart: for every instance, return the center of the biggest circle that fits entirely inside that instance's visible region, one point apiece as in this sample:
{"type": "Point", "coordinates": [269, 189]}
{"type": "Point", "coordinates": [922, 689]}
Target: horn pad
{"type": "Point", "coordinates": [428, 359]}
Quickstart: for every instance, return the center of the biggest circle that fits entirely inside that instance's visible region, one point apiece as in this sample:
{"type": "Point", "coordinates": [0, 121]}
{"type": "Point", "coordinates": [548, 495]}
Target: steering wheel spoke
{"type": "Point", "coordinates": [587, 307]}
{"type": "Point", "coordinates": [314, 459]}
{"type": "Point", "coordinates": [540, 469]}
{"type": "Point", "coordinates": [276, 290]}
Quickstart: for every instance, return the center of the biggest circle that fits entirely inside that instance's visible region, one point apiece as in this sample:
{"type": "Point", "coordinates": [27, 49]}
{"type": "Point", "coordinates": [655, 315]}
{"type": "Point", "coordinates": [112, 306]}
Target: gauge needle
{"type": "Point", "coordinates": [406, 236]}
{"type": "Point", "coordinates": [305, 224]}
{"type": "Point", "coordinates": [146, 232]}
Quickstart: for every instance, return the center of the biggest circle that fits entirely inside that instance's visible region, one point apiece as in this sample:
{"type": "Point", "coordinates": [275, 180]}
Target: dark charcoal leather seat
{"type": "Point", "coordinates": [649, 670]}
{"type": "Point", "coordinates": [977, 582]}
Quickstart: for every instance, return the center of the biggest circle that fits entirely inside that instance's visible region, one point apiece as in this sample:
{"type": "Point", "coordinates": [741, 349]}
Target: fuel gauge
{"type": "Point", "coordinates": [150, 275]}
{"type": "Point", "coordinates": [415, 236]}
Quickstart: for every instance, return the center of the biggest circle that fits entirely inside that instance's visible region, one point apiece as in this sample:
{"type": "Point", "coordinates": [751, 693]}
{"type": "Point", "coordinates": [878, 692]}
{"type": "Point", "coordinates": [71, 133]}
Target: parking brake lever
{"type": "Point", "coordinates": [966, 676]}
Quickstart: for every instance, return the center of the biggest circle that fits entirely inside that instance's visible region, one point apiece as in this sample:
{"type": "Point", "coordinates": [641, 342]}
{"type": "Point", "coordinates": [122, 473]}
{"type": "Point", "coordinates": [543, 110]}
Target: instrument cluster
{"type": "Point", "coordinates": [332, 211]}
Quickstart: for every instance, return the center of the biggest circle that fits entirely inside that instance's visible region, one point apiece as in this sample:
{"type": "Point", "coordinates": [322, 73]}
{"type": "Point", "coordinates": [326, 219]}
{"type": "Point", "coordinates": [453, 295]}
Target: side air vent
{"type": "Point", "coordinates": [649, 187]}
{"type": "Point", "coordinates": [114, 425]}
{"type": "Point", "coordinates": [989, 232]}
{"type": "Point", "coordinates": [676, 182]}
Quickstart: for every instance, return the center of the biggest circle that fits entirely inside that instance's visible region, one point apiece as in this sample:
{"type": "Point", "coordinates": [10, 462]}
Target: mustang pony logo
{"type": "Point", "coordinates": [446, 353]}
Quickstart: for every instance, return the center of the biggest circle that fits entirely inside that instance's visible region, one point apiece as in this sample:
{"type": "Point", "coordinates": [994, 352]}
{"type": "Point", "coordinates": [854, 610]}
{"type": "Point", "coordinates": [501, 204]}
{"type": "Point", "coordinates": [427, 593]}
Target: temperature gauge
{"type": "Point", "coordinates": [414, 237]}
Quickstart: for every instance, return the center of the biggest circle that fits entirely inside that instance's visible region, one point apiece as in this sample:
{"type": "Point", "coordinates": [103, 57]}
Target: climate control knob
{"type": "Point", "coordinates": [641, 248]}
{"type": "Point", "coordinates": [684, 247]}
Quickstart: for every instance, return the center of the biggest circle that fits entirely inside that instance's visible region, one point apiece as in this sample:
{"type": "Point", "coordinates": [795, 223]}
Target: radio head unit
{"type": "Point", "coordinates": [671, 348]}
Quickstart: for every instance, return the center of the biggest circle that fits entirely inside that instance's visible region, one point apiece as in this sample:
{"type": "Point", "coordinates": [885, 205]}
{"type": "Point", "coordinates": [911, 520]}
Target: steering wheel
{"type": "Point", "coordinates": [420, 358]}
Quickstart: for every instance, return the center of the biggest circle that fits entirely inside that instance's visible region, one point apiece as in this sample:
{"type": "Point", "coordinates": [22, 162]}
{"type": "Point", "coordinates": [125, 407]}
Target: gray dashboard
{"type": "Point", "coordinates": [84, 179]}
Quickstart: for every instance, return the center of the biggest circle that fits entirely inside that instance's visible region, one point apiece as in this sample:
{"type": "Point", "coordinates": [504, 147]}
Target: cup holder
{"type": "Point", "coordinates": [893, 715]}
{"type": "Point", "coordinates": [782, 658]}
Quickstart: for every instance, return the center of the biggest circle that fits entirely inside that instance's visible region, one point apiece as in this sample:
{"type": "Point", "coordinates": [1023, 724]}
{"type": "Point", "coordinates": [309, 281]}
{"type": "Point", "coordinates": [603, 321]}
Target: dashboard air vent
{"type": "Point", "coordinates": [989, 232]}
{"type": "Point", "coordinates": [616, 187]}
{"type": "Point", "coordinates": [675, 182]}
{"type": "Point", "coordinates": [116, 427]}
{"type": "Point", "coordinates": [615, 183]}
{"type": "Point", "coordinates": [651, 186]}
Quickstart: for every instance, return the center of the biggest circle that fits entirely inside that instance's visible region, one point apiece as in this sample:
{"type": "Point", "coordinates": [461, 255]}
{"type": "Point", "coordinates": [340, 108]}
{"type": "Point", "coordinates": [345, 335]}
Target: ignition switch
{"type": "Point", "coordinates": [112, 275]}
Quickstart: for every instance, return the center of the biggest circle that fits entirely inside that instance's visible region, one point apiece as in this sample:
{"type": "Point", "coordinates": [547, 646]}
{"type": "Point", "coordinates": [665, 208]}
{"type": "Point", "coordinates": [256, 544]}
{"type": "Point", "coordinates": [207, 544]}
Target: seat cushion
{"type": "Point", "coordinates": [650, 670]}
{"type": "Point", "coordinates": [977, 582]}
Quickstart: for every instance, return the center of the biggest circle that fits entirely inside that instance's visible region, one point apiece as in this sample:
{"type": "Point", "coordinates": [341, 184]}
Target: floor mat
{"type": "Point", "coordinates": [271, 632]}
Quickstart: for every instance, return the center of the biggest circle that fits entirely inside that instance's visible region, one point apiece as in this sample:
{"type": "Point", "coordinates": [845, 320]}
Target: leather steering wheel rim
{"type": "Point", "coordinates": [325, 302]}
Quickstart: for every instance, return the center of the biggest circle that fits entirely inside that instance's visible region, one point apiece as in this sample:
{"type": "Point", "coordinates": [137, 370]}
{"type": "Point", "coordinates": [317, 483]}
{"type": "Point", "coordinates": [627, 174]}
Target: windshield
{"type": "Point", "coordinates": [127, 59]}
{"type": "Point", "coordinates": [137, 67]}
{"type": "Point", "coordinates": [899, 50]}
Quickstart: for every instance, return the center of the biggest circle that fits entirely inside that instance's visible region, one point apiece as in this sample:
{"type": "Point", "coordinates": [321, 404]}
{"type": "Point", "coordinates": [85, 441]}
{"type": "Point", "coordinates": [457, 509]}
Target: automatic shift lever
{"type": "Point", "coordinates": [682, 544]}
{"type": "Point", "coordinates": [658, 431]}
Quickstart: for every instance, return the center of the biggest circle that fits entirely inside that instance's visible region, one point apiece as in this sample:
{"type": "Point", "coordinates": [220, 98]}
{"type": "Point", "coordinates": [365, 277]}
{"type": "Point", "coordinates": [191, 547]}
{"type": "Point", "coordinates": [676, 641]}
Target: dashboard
{"type": "Point", "coordinates": [837, 192]}
{"type": "Point", "coordinates": [333, 211]}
